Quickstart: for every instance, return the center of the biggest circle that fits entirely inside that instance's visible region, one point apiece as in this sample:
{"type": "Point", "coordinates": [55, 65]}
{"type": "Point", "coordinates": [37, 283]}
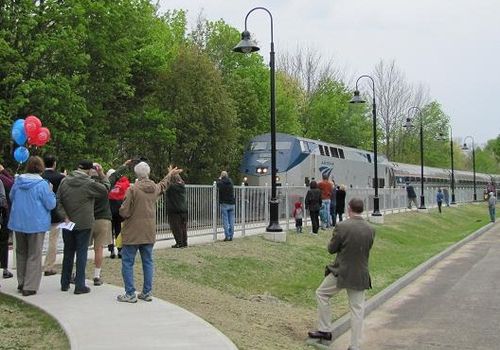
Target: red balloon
{"type": "Point", "coordinates": [32, 125]}
{"type": "Point", "coordinates": [43, 136]}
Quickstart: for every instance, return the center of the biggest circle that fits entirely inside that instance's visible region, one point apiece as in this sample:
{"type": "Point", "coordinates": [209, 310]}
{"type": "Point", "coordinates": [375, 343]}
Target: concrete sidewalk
{"type": "Point", "coordinates": [454, 304]}
{"type": "Point", "coordinates": [97, 321]}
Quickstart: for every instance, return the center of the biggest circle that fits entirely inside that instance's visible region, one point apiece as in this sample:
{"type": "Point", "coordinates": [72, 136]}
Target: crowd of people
{"type": "Point", "coordinates": [90, 208]}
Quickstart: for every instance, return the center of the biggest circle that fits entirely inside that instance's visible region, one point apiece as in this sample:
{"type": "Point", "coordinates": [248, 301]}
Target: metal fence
{"type": "Point", "coordinates": [252, 206]}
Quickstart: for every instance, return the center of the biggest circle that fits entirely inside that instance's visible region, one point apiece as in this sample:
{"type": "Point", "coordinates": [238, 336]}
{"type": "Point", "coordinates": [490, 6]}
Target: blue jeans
{"type": "Point", "coordinates": [75, 242]}
{"type": "Point", "coordinates": [492, 213]}
{"type": "Point", "coordinates": [227, 212]}
{"type": "Point", "coordinates": [328, 223]}
{"type": "Point", "coordinates": [128, 259]}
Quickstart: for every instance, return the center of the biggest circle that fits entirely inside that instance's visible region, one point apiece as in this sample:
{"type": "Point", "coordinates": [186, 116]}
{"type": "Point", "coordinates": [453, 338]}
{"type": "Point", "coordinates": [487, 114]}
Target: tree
{"type": "Point", "coordinates": [203, 116]}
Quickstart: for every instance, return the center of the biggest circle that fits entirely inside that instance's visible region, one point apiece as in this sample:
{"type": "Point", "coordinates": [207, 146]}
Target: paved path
{"type": "Point", "coordinates": [454, 305]}
{"type": "Point", "coordinates": [97, 321]}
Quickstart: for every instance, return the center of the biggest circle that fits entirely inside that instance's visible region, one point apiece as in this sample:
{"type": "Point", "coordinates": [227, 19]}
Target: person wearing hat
{"type": "Point", "coordinates": [75, 203]}
{"type": "Point", "coordinates": [492, 201]}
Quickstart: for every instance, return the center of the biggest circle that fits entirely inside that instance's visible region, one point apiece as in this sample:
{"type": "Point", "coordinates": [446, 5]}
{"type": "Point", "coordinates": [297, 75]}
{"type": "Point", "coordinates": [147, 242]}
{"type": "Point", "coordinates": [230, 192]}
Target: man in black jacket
{"type": "Point", "coordinates": [351, 241]}
{"type": "Point", "coordinates": [54, 177]}
{"type": "Point", "coordinates": [227, 204]}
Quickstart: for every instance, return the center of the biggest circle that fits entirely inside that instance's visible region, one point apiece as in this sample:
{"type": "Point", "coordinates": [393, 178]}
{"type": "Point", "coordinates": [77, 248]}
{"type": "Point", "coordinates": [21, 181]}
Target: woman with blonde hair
{"type": "Point", "coordinates": [32, 200]}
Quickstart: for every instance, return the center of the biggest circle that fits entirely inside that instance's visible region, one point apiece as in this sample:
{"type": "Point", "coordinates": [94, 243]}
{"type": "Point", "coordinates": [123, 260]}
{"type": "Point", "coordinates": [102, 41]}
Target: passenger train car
{"type": "Point", "coordinates": [300, 160]}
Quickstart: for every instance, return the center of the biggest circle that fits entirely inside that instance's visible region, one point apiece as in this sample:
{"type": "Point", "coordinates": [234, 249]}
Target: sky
{"type": "Point", "coordinates": [452, 47]}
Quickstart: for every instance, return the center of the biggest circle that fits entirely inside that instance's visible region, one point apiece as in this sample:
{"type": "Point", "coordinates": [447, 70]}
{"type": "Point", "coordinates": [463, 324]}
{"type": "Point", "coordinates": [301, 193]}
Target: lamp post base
{"type": "Point", "coordinates": [376, 219]}
{"type": "Point", "coordinates": [274, 225]}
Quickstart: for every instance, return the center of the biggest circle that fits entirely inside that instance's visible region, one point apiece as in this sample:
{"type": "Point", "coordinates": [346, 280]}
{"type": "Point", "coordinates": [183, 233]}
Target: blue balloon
{"type": "Point", "coordinates": [19, 134]}
{"type": "Point", "coordinates": [18, 122]}
{"type": "Point", "coordinates": [21, 154]}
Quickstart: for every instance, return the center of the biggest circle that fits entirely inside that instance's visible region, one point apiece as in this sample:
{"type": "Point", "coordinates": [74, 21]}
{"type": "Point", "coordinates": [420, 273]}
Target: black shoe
{"type": "Point", "coordinates": [227, 239]}
{"type": "Point", "coordinates": [84, 290]}
{"type": "Point", "coordinates": [20, 288]}
{"type": "Point", "coordinates": [27, 293]}
{"type": "Point", "coordinates": [7, 274]}
{"type": "Point", "coordinates": [112, 255]}
{"type": "Point", "coordinates": [64, 288]}
{"type": "Point", "coordinates": [184, 246]}
{"type": "Point", "coordinates": [49, 273]}
{"type": "Point", "coordinates": [119, 255]}
{"type": "Point", "coordinates": [177, 245]}
{"type": "Point", "coordinates": [320, 335]}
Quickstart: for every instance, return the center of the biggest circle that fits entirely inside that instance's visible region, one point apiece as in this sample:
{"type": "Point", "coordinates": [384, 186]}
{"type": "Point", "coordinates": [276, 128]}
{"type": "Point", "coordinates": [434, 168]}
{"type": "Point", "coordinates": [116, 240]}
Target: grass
{"type": "Point", "coordinates": [26, 327]}
{"type": "Point", "coordinates": [261, 294]}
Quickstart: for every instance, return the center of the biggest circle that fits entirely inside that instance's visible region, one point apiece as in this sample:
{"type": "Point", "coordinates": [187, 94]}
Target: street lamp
{"type": "Point", "coordinates": [358, 99]}
{"type": "Point", "coordinates": [452, 169]}
{"type": "Point", "coordinates": [247, 45]}
{"type": "Point", "coordinates": [473, 162]}
{"type": "Point", "coordinates": [409, 125]}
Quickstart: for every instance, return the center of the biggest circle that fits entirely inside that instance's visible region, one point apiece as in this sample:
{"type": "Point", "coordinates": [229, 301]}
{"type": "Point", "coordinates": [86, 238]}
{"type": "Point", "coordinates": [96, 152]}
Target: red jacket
{"type": "Point", "coordinates": [119, 190]}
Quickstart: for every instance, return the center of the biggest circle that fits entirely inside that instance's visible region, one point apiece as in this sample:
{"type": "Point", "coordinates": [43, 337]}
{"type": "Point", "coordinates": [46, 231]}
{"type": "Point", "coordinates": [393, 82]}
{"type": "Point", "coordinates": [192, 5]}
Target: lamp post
{"type": "Point", "coordinates": [473, 162]}
{"type": "Point", "coordinates": [452, 168]}
{"type": "Point", "coordinates": [357, 99]}
{"type": "Point", "coordinates": [247, 45]}
{"type": "Point", "coordinates": [409, 125]}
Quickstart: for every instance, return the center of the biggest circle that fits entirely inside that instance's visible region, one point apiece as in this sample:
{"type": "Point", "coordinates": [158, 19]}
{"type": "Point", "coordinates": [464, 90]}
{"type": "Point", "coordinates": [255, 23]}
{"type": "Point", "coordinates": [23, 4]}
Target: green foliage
{"type": "Point", "coordinates": [331, 118]}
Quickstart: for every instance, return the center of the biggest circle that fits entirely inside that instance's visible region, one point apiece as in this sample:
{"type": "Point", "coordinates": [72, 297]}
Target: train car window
{"type": "Point", "coordinates": [327, 151]}
{"type": "Point", "coordinates": [259, 146]}
{"type": "Point", "coordinates": [321, 150]}
{"type": "Point", "coordinates": [369, 157]}
{"type": "Point", "coordinates": [341, 153]}
{"type": "Point", "coordinates": [283, 145]}
{"type": "Point", "coordinates": [304, 147]}
{"type": "Point", "coordinates": [312, 146]}
{"type": "Point", "coordinates": [334, 152]}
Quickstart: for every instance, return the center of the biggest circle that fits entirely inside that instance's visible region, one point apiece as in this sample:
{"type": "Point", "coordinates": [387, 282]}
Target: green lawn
{"type": "Point", "coordinates": [25, 327]}
{"type": "Point", "coordinates": [261, 293]}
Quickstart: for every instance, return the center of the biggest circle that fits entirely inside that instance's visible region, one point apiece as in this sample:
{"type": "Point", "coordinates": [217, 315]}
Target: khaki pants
{"type": "Point", "coordinates": [50, 258]}
{"type": "Point", "coordinates": [356, 304]}
{"type": "Point", "coordinates": [29, 259]}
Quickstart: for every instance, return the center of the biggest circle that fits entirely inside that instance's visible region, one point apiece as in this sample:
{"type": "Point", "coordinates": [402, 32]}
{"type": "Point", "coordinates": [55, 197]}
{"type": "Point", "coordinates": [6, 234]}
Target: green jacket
{"type": "Point", "coordinates": [76, 196]}
{"type": "Point", "coordinates": [352, 240]}
{"type": "Point", "coordinates": [101, 205]}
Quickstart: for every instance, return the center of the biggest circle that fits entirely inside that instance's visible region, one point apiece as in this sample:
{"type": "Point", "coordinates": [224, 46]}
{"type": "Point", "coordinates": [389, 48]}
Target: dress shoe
{"type": "Point", "coordinates": [64, 288]}
{"type": "Point", "coordinates": [27, 293]}
{"type": "Point", "coordinates": [49, 273]}
{"type": "Point", "coordinates": [84, 290]}
{"type": "Point", "coordinates": [7, 274]}
{"type": "Point", "coordinates": [320, 335]}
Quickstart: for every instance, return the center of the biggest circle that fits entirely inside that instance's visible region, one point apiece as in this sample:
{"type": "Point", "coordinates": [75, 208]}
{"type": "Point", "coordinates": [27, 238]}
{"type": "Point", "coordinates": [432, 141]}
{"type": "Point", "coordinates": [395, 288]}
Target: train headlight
{"type": "Point", "coordinates": [277, 179]}
{"type": "Point", "coordinates": [259, 170]}
{"type": "Point", "coordinates": [245, 179]}
{"type": "Point", "coordinates": [264, 170]}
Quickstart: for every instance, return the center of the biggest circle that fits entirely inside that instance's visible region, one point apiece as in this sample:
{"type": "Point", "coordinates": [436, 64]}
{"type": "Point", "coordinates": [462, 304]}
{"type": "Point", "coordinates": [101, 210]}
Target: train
{"type": "Point", "coordinates": [300, 160]}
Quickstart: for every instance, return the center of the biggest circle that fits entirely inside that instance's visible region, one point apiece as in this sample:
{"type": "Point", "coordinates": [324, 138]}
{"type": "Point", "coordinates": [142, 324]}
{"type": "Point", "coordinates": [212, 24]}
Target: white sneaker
{"type": "Point", "coordinates": [125, 298]}
{"type": "Point", "coordinates": [145, 297]}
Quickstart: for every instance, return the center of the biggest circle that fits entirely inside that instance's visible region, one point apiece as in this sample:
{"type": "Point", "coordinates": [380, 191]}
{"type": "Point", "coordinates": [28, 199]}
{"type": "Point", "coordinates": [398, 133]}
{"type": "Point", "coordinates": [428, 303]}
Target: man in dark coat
{"type": "Point", "coordinates": [227, 204]}
{"type": "Point", "coordinates": [54, 177]}
{"type": "Point", "coordinates": [351, 241]}
{"type": "Point", "coordinates": [412, 196]}
{"type": "Point", "coordinates": [177, 210]}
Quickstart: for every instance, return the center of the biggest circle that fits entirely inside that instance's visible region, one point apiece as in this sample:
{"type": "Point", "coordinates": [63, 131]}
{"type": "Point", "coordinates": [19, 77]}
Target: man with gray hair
{"type": "Point", "coordinates": [139, 229]}
{"type": "Point", "coordinates": [352, 240]}
{"type": "Point", "coordinates": [227, 204]}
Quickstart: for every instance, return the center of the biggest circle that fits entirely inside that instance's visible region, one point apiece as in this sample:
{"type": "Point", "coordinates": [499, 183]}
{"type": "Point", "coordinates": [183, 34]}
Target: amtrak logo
{"type": "Point", "coordinates": [326, 170]}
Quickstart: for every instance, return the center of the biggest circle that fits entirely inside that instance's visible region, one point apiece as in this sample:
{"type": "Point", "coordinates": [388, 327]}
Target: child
{"type": "Point", "coordinates": [298, 214]}
{"type": "Point", "coordinates": [323, 216]}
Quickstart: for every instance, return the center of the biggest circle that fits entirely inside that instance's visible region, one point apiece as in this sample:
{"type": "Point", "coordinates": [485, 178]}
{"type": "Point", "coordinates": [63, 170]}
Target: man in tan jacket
{"type": "Point", "coordinates": [139, 230]}
{"type": "Point", "coordinates": [351, 241]}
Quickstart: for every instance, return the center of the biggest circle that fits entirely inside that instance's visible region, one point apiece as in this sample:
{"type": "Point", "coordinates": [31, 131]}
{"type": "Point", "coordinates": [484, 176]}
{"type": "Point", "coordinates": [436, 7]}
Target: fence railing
{"type": "Point", "coordinates": [252, 206]}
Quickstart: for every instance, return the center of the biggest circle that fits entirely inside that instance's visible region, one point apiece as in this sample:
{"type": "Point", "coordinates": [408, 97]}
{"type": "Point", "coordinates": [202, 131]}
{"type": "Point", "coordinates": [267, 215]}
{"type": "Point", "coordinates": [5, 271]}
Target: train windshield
{"type": "Point", "coordinates": [266, 146]}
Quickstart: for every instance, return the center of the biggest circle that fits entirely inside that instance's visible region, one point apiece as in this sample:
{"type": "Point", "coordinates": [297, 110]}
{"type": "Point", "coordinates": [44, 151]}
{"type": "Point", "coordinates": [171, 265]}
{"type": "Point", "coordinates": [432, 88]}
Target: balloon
{"type": "Point", "coordinates": [18, 122]}
{"type": "Point", "coordinates": [21, 154]}
{"type": "Point", "coordinates": [18, 134]}
{"type": "Point", "coordinates": [41, 138]}
{"type": "Point", "coordinates": [32, 125]}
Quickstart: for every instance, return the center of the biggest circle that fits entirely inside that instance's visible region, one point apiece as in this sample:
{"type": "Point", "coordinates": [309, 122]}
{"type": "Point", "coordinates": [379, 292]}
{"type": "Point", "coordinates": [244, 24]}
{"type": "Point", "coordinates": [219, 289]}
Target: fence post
{"type": "Point", "coordinates": [243, 209]}
{"type": "Point", "coordinates": [287, 206]}
{"type": "Point", "coordinates": [214, 210]}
